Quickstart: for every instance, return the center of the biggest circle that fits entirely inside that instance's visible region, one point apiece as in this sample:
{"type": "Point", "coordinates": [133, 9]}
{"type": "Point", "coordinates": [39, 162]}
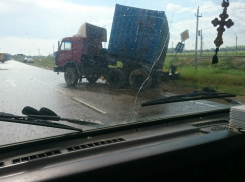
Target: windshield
{"type": "Point", "coordinates": [99, 61]}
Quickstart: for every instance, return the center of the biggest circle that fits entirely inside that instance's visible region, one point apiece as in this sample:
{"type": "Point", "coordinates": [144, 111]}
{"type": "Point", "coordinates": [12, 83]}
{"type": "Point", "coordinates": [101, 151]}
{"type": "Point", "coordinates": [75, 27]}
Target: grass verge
{"type": "Point", "coordinates": [226, 76]}
{"type": "Point", "coordinates": [43, 62]}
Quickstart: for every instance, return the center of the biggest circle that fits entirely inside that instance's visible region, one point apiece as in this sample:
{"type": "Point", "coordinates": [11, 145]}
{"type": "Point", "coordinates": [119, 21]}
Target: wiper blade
{"type": "Point", "coordinates": [47, 114]}
{"type": "Point", "coordinates": [6, 117]}
{"type": "Point", "coordinates": [195, 95]}
{"type": "Point", "coordinates": [58, 118]}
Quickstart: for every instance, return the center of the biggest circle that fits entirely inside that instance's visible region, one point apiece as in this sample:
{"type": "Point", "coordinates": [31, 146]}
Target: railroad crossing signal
{"type": "Point", "coordinates": [179, 48]}
{"type": "Point", "coordinates": [184, 35]}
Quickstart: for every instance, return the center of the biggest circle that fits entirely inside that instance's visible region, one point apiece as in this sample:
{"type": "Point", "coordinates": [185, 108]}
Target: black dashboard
{"type": "Point", "coordinates": [199, 147]}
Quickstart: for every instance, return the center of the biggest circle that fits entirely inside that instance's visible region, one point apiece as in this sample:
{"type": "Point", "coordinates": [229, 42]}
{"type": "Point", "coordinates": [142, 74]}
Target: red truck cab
{"type": "Point", "coordinates": [80, 56]}
{"type": "Point", "coordinates": [73, 48]}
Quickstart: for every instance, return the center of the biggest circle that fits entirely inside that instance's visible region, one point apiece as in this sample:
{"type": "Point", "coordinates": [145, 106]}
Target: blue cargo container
{"type": "Point", "coordinates": [139, 34]}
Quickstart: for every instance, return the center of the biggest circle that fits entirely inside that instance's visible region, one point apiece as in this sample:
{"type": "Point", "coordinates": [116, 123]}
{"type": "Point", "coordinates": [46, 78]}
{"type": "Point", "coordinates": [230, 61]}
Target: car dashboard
{"type": "Point", "coordinates": [197, 147]}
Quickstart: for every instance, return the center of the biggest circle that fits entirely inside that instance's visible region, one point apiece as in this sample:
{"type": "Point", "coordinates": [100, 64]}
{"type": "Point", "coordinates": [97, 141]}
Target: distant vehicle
{"type": "Point", "coordinates": [30, 60]}
{"type": "Point", "coordinates": [25, 60]}
{"type": "Point", "coordinates": [7, 57]}
{"type": "Point", "coordinates": [4, 57]}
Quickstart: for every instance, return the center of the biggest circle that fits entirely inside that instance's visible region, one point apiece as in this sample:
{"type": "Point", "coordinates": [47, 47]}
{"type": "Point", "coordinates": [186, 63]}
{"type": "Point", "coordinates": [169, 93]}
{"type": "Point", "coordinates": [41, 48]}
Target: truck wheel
{"type": "Point", "coordinates": [71, 76]}
{"type": "Point", "coordinates": [115, 78]}
{"type": "Point", "coordinates": [138, 77]}
{"type": "Point", "coordinates": [156, 82]}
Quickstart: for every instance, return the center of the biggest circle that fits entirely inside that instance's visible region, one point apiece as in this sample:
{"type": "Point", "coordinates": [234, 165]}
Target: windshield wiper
{"type": "Point", "coordinates": [195, 95]}
{"type": "Point", "coordinates": [47, 114]}
{"type": "Point", "coordinates": [43, 117]}
{"type": "Point", "coordinates": [6, 117]}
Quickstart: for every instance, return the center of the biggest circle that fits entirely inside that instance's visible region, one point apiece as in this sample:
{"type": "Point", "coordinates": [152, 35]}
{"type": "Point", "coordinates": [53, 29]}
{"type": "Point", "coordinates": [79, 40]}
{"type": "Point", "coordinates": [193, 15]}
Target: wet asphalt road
{"type": "Point", "coordinates": [24, 85]}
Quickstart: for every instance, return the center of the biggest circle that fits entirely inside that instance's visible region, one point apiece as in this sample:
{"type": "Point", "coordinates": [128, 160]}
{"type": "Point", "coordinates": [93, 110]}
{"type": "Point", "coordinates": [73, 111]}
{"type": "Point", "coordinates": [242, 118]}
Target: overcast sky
{"type": "Point", "coordinates": [29, 25]}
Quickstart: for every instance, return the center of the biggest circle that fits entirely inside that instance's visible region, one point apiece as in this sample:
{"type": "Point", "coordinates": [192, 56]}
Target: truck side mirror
{"type": "Point", "coordinates": [58, 45]}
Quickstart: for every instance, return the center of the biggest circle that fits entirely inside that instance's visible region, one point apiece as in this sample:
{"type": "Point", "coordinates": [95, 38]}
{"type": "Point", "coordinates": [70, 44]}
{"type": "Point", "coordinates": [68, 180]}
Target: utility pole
{"type": "Point", "coordinates": [201, 46]}
{"type": "Point", "coordinates": [172, 48]}
{"type": "Point", "coordinates": [236, 44]}
{"type": "Point", "coordinates": [197, 15]}
{"type": "Point", "coordinates": [38, 52]}
{"type": "Point", "coordinates": [53, 49]}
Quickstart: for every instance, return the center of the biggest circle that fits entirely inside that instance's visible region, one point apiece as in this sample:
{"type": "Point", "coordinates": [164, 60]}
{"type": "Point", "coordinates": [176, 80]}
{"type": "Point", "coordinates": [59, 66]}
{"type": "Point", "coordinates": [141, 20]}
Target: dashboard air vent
{"type": "Point", "coordinates": [37, 156]}
{"type": "Point", "coordinates": [211, 123]}
{"type": "Point", "coordinates": [219, 128]}
{"type": "Point", "coordinates": [94, 144]}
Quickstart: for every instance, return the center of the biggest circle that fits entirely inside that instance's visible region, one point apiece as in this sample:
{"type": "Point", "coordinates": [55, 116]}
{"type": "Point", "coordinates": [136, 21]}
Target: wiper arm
{"type": "Point", "coordinates": [58, 118]}
{"type": "Point", "coordinates": [47, 114]}
{"type": "Point", "coordinates": [34, 121]}
{"type": "Point", "coordinates": [42, 117]}
{"type": "Point", "coordinates": [195, 95]}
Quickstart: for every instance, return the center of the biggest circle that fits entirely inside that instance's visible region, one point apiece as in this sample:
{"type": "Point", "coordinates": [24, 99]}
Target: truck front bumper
{"type": "Point", "coordinates": [58, 69]}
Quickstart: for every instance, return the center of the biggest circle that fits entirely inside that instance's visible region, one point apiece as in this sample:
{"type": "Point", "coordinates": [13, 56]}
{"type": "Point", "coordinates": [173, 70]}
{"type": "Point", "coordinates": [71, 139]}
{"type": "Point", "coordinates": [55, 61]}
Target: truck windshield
{"type": "Point", "coordinates": [119, 62]}
{"type": "Point", "coordinates": [66, 45]}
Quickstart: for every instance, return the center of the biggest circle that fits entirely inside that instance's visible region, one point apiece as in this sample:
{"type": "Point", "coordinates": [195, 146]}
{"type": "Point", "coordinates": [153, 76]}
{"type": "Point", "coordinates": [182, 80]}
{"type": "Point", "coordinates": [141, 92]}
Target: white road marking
{"type": "Point", "coordinates": [34, 79]}
{"type": "Point", "coordinates": [12, 82]}
{"type": "Point", "coordinates": [60, 91]}
{"type": "Point", "coordinates": [93, 107]}
{"type": "Point", "coordinates": [40, 81]}
{"type": "Point", "coordinates": [81, 101]}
